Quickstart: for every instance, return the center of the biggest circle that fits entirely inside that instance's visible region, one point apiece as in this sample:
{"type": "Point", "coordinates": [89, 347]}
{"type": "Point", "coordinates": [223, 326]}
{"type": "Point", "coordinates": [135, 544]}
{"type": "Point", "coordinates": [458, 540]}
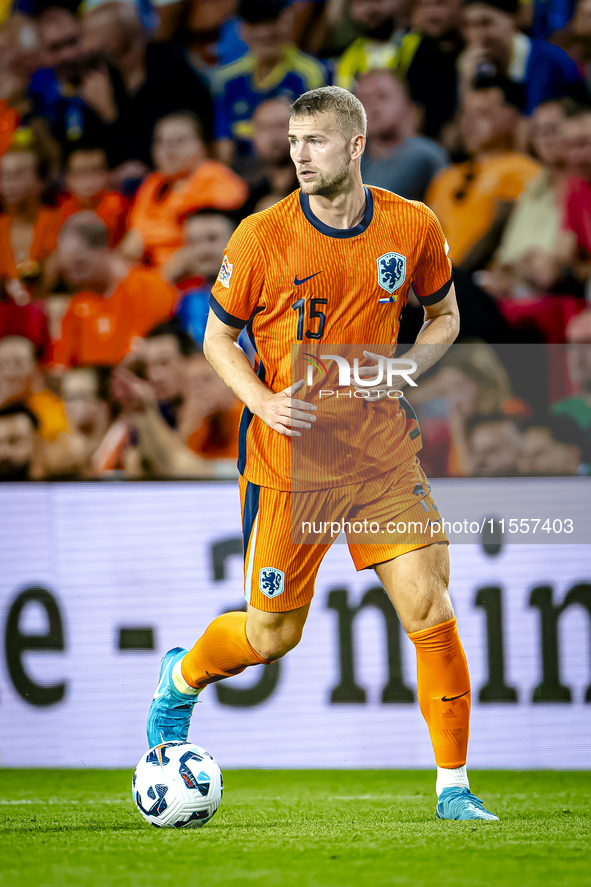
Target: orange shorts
{"type": "Point", "coordinates": [381, 518]}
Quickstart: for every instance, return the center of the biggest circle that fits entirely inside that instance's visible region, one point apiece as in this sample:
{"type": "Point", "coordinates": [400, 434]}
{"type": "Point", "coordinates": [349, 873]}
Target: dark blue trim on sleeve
{"type": "Point", "coordinates": [224, 316]}
{"type": "Point", "coordinates": [245, 420]}
{"type": "Point", "coordinates": [339, 233]}
{"type": "Point", "coordinates": [437, 296]}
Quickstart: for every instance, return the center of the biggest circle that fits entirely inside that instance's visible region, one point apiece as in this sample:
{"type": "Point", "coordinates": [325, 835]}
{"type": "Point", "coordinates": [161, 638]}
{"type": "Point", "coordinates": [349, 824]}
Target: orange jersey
{"type": "Point", "coordinates": [109, 206]}
{"type": "Point", "coordinates": [44, 242]}
{"type": "Point", "coordinates": [99, 330]}
{"type": "Point", "coordinates": [483, 186]}
{"type": "Point", "coordinates": [296, 282]}
{"type": "Point", "coordinates": [161, 205]}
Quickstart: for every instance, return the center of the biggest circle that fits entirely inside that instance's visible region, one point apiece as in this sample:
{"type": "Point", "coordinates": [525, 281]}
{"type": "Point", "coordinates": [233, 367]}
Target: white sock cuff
{"type": "Point", "coordinates": [180, 683]}
{"type": "Point", "coordinates": [451, 778]}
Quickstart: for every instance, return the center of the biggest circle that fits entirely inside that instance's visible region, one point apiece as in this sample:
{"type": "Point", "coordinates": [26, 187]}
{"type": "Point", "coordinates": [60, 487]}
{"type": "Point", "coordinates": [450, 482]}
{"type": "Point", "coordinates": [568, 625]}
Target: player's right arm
{"type": "Point", "coordinates": [235, 298]}
{"type": "Point", "coordinates": [280, 411]}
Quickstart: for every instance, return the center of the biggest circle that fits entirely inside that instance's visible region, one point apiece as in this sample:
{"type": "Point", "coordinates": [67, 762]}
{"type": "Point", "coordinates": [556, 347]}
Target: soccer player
{"type": "Point", "coordinates": [333, 262]}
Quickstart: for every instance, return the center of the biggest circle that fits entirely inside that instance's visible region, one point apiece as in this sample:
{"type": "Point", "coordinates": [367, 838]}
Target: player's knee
{"type": "Point", "coordinates": [273, 643]}
{"type": "Point", "coordinates": [429, 602]}
{"type": "Point", "coordinates": [432, 606]}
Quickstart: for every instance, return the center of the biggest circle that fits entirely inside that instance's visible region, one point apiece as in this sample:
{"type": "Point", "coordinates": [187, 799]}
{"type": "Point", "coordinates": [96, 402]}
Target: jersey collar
{"type": "Point", "coordinates": [340, 233]}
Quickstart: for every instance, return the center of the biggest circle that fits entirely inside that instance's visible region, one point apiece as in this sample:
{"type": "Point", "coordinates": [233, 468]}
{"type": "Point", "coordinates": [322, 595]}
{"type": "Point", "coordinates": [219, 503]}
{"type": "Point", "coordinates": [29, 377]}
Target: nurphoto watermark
{"type": "Point", "coordinates": [366, 378]}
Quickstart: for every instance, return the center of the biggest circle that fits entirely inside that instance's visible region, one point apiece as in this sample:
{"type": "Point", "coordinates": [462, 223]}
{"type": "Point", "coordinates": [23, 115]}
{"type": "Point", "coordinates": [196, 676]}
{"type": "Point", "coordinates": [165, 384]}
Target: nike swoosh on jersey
{"type": "Point", "coordinates": [304, 279]}
{"type": "Point", "coordinates": [451, 698]}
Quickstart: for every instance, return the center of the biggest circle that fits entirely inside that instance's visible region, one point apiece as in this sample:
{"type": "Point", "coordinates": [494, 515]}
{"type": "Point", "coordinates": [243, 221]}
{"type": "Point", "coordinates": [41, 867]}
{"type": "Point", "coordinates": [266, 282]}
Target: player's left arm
{"type": "Point", "coordinates": [439, 331]}
{"type": "Point", "coordinates": [433, 285]}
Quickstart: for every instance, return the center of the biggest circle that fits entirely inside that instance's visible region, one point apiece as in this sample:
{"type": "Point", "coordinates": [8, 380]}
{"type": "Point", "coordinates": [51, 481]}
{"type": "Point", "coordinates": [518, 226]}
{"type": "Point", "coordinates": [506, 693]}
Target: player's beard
{"type": "Point", "coordinates": [328, 186]}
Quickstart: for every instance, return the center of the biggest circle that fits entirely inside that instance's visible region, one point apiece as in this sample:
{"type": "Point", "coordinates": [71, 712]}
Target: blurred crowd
{"type": "Point", "coordinates": [134, 137]}
{"type": "Point", "coordinates": [505, 411]}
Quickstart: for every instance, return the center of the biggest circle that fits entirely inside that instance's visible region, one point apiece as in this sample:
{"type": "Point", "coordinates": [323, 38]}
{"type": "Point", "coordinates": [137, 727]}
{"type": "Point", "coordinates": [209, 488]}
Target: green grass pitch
{"type": "Point", "coordinates": [287, 827]}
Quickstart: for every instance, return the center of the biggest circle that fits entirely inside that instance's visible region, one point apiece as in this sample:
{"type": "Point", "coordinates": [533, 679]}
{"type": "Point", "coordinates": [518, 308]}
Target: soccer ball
{"type": "Point", "coordinates": [177, 785]}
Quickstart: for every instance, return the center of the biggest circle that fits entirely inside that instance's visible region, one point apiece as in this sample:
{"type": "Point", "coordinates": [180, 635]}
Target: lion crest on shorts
{"type": "Point", "coordinates": [271, 581]}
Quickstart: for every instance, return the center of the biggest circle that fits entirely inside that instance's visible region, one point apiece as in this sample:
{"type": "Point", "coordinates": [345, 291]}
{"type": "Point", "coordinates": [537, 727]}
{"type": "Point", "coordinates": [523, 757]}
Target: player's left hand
{"type": "Point", "coordinates": [376, 392]}
{"type": "Point", "coordinates": [285, 413]}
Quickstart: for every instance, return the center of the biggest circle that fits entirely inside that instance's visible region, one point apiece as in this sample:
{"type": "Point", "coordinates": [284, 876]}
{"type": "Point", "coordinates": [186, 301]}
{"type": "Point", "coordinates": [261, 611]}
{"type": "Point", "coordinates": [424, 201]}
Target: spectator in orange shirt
{"type": "Point", "coordinates": [473, 200]}
{"type": "Point", "coordinates": [185, 181]}
{"type": "Point", "coordinates": [86, 179]}
{"type": "Point", "coordinates": [60, 451]}
{"type": "Point", "coordinates": [113, 306]}
{"type": "Point", "coordinates": [28, 227]}
{"type": "Point", "coordinates": [20, 380]}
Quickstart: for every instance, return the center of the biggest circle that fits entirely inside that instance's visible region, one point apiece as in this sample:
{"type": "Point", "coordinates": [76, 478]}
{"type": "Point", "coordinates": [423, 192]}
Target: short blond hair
{"type": "Point", "coordinates": [348, 110]}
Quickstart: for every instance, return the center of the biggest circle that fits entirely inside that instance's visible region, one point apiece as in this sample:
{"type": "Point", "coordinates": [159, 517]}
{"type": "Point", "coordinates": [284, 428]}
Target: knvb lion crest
{"type": "Point", "coordinates": [271, 581]}
{"type": "Point", "coordinates": [391, 273]}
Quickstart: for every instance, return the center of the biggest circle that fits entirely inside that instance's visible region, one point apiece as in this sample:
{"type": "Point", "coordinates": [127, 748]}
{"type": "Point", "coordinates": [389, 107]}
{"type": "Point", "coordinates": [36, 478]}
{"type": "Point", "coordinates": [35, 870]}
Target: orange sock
{"type": "Point", "coordinates": [444, 691]}
{"type": "Point", "coordinates": [222, 651]}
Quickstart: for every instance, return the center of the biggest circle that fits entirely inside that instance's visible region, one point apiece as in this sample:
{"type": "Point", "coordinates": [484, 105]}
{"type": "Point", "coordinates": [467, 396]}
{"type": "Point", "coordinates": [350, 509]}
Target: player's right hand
{"type": "Point", "coordinates": [284, 413]}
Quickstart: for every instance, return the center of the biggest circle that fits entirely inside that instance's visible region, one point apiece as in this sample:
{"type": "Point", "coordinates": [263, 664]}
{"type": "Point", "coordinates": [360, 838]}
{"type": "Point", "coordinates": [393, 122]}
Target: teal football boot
{"type": "Point", "coordinates": [460, 803]}
{"type": "Point", "coordinates": [170, 712]}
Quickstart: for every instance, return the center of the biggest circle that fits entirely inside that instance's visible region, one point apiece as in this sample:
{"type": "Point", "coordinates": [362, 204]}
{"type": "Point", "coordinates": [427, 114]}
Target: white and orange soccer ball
{"type": "Point", "coordinates": [177, 785]}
